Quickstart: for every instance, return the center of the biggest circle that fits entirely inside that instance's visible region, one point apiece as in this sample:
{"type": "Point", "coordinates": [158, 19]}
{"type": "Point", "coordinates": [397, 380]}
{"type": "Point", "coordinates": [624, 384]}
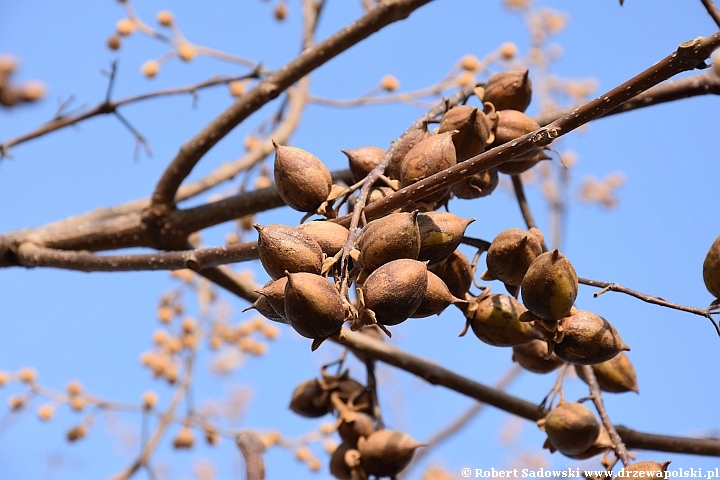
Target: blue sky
{"type": "Point", "coordinates": [93, 327]}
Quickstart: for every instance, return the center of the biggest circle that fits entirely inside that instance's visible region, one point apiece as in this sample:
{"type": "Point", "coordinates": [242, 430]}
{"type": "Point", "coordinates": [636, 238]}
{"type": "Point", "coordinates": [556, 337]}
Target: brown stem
{"type": "Point", "coordinates": [372, 385]}
{"type": "Point", "coordinates": [689, 55]}
{"type": "Point", "coordinates": [596, 395]}
{"type": "Point", "coordinates": [268, 89]}
{"type": "Point", "coordinates": [524, 205]}
{"type": "Point", "coordinates": [437, 375]}
{"type": "Point", "coordinates": [712, 11]}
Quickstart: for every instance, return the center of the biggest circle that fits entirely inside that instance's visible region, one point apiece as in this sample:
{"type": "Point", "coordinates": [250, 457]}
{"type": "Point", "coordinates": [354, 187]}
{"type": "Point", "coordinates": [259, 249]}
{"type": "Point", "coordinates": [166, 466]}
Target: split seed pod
{"type": "Point", "coordinates": [437, 298]}
{"type": "Point", "coordinates": [533, 356]}
{"type": "Point", "coordinates": [386, 453]}
{"type": "Point", "coordinates": [495, 322]}
{"type": "Point", "coordinates": [456, 272]}
{"type": "Point", "coordinates": [406, 144]}
{"type": "Point", "coordinates": [511, 253]}
{"type": "Point", "coordinates": [393, 292]}
{"type": "Point", "coordinates": [330, 236]}
{"type": "Point", "coordinates": [430, 156]}
{"type": "Point", "coordinates": [616, 375]}
{"type": "Point", "coordinates": [511, 125]}
{"type": "Point", "coordinates": [362, 160]}
{"type": "Point", "coordinates": [511, 90]}
{"type": "Point", "coordinates": [478, 185]}
{"type": "Point", "coordinates": [440, 235]}
{"type": "Point", "coordinates": [473, 128]}
{"type": "Point", "coordinates": [601, 445]}
{"type": "Point", "coordinates": [339, 465]}
{"type": "Point", "coordinates": [588, 339]}
{"type": "Point", "coordinates": [550, 286]}
{"type": "Point", "coordinates": [388, 238]}
{"type": "Point", "coordinates": [284, 248]}
{"type": "Point", "coordinates": [571, 428]}
{"type": "Point", "coordinates": [313, 306]}
{"type": "Point", "coordinates": [274, 294]}
{"type": "Point", "coordinates": [648, 467]}
{"type": "Point", "coordinates": [302, 180]}
{"type": "Point", "coordinates": [711, 269]}
{"type": "Point", "coordinates": [361, 425]}
{"type": "Point", "coordinates": [309, 399]}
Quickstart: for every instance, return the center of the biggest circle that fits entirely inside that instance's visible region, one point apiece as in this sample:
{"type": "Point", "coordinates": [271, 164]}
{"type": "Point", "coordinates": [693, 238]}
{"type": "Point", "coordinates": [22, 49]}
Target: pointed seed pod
{"type": "Point", "coordinates": [362, 160]}
{"type": "Point", "coordinates": [330, 236]}
{"type": "Point", "coordinates": [406, 144]}
{"type": "Point", "coordinates": [571, 428]}
{"type": "Point", "coordinates": [511, 253]}
{"type": "Point", "coordinates": [395, 290]}
{"type": "Point", "coordinates": [440, 235]}
{"type": "Point", "coordinates": [437, 298]}
{"type": "Point", "coordinates": [309, 399]}
{"type": "Point", "coordinates": [601, 445]}
{"type": "Point", "coordinates": [286, 248]}
{"type": "Point", "coordinates": [389, 238]}
{"type": "Point", "coordinates": [550, 286]}
{"type": "Point", "coordinates": [616, 375]}
{"type": "Point", "coordinates": [472, 132]}
{"type": "Point", "coordinates": [339, 467]}
{"type": "Point", "coordinates": [266, 310]}
{"type": "Point", "coordinates": [711, 269]}
{"type": "Point", "coordinates": [496, 322]}
{"type": "Point", "coordinates": [430, 156]}
{"type": "Point", "coordinates": [361, 426]}
{"type": "Point", "coordinates": [274, 294]}
{"type": "Point", "coordinates": [302, 180]}
{"type": "Point", "coordinates": [588, 339]}
{"type": "Point", "coordinates": [523, 163]}
{"type": "Point", "coordinates": [386, 453]}
{"type": "Point", "coordinates": [651, 469]}
{"type": "Point", "coordinates": [478, 185]}
{"type": "Point", "coordinates": [511, 125]}
{"type": "Point", "coordinates": [456, 273]}
{"type": "Point", "coordinates": [313, 306]}
{"type": "Point", "coordinates": [511, 90]}
{"type": "Point", "coordinates": [533, 356]}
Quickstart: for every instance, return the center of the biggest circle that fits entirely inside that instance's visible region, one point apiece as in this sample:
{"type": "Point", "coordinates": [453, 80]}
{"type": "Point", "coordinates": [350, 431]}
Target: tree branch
{"type": "Point", "coordinates": [712, 11]}
{"type": "Point", "coordinates": [437, 375]}
{"type": "Point", "coordinates": [163, 198]}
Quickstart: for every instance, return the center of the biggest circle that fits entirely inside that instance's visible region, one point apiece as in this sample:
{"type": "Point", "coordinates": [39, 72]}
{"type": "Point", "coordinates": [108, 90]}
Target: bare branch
{"type": "Point", "coordinates": [437, 375]}
{"type": "Point", "coordinates": [712, 10]}
{"type": "Point", "coordinates": [268, 89]}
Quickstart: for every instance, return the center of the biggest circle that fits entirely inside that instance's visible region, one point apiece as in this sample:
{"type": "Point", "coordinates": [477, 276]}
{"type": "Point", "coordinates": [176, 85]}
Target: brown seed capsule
{"type": "Point", "coordinates": [650, 469]}
{"type": "Point", "coordinates": [362, 160]}
{"type": "Point", "coordinates": [711, 269]}
{"type": "Point", "coordinates": [550, 286]}
{"type": "Point", "coordinates": [473, 128]}
{"type": "Point", "coordinates": [361, 426]}
{"type": "Point", "coordinates": [616, 375]}
{"type": "Point", "coordinates": [495, 322]}
{"type": "Point", "coordinates": [432, 155]}
{"type": "Point", "coordinates": [394, 291]}
{"type": "Point", "coordinates": [440, 235]}
{"type": "Point", "coordinates": [339, 467]}
{"type": "Point", "coordinates": [478, 185]}
{"type": "Point", "coordinates": [511, 90]}
{"type": "Point", "coordinates": [262, 305]}
{"type": "Point", "coordinates": [523, 163]}
{"type": "Point", "coordinates": [313, 306]}
{"type": "Point", "coordinates": [601, 445]}
{"type": "Point", "coordinates": [437, 298]}
{"type": "Point", "coordinates": [302, 180]}
{"type": "Point", "coordinates": [284, 248]}
{"type": "Point", "coordinates": [393, 169]}
{"type": "Point", "coordinates": [588, 339]}
{"type": "Point", "coordinates": [274, 293]}
{"type": "Point", "coordinates": [386, 452]}
{"type": "Point", "coordinates": [533, 356]}
{"type": "Point", "coordinates": [511, 125]}
{"type": "Point", "coordinates": [456, 273]}
{"type": "Point", "coordinates": [571, 428]}
{"type": "Point", "coordinates": [388, 238]}
{"type": "Point", "coordinates": [329, 235]}
{"type": "Point", "coordinates": [309, 399]}
{"type": "Point", "coordinates": [511, 253]}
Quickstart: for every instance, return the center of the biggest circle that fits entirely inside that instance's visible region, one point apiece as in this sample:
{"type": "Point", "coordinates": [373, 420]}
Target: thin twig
{"type": "Point", "coordinates": [614, 287]}
{"type": "Point", "coordinates": [712, 10]}
{"type": "Point", "coordinates": [437, 375]}
{"type": "Point", "coordinates": [596, 395]}
{"type": "Point", "coordinates": [524, 205]}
